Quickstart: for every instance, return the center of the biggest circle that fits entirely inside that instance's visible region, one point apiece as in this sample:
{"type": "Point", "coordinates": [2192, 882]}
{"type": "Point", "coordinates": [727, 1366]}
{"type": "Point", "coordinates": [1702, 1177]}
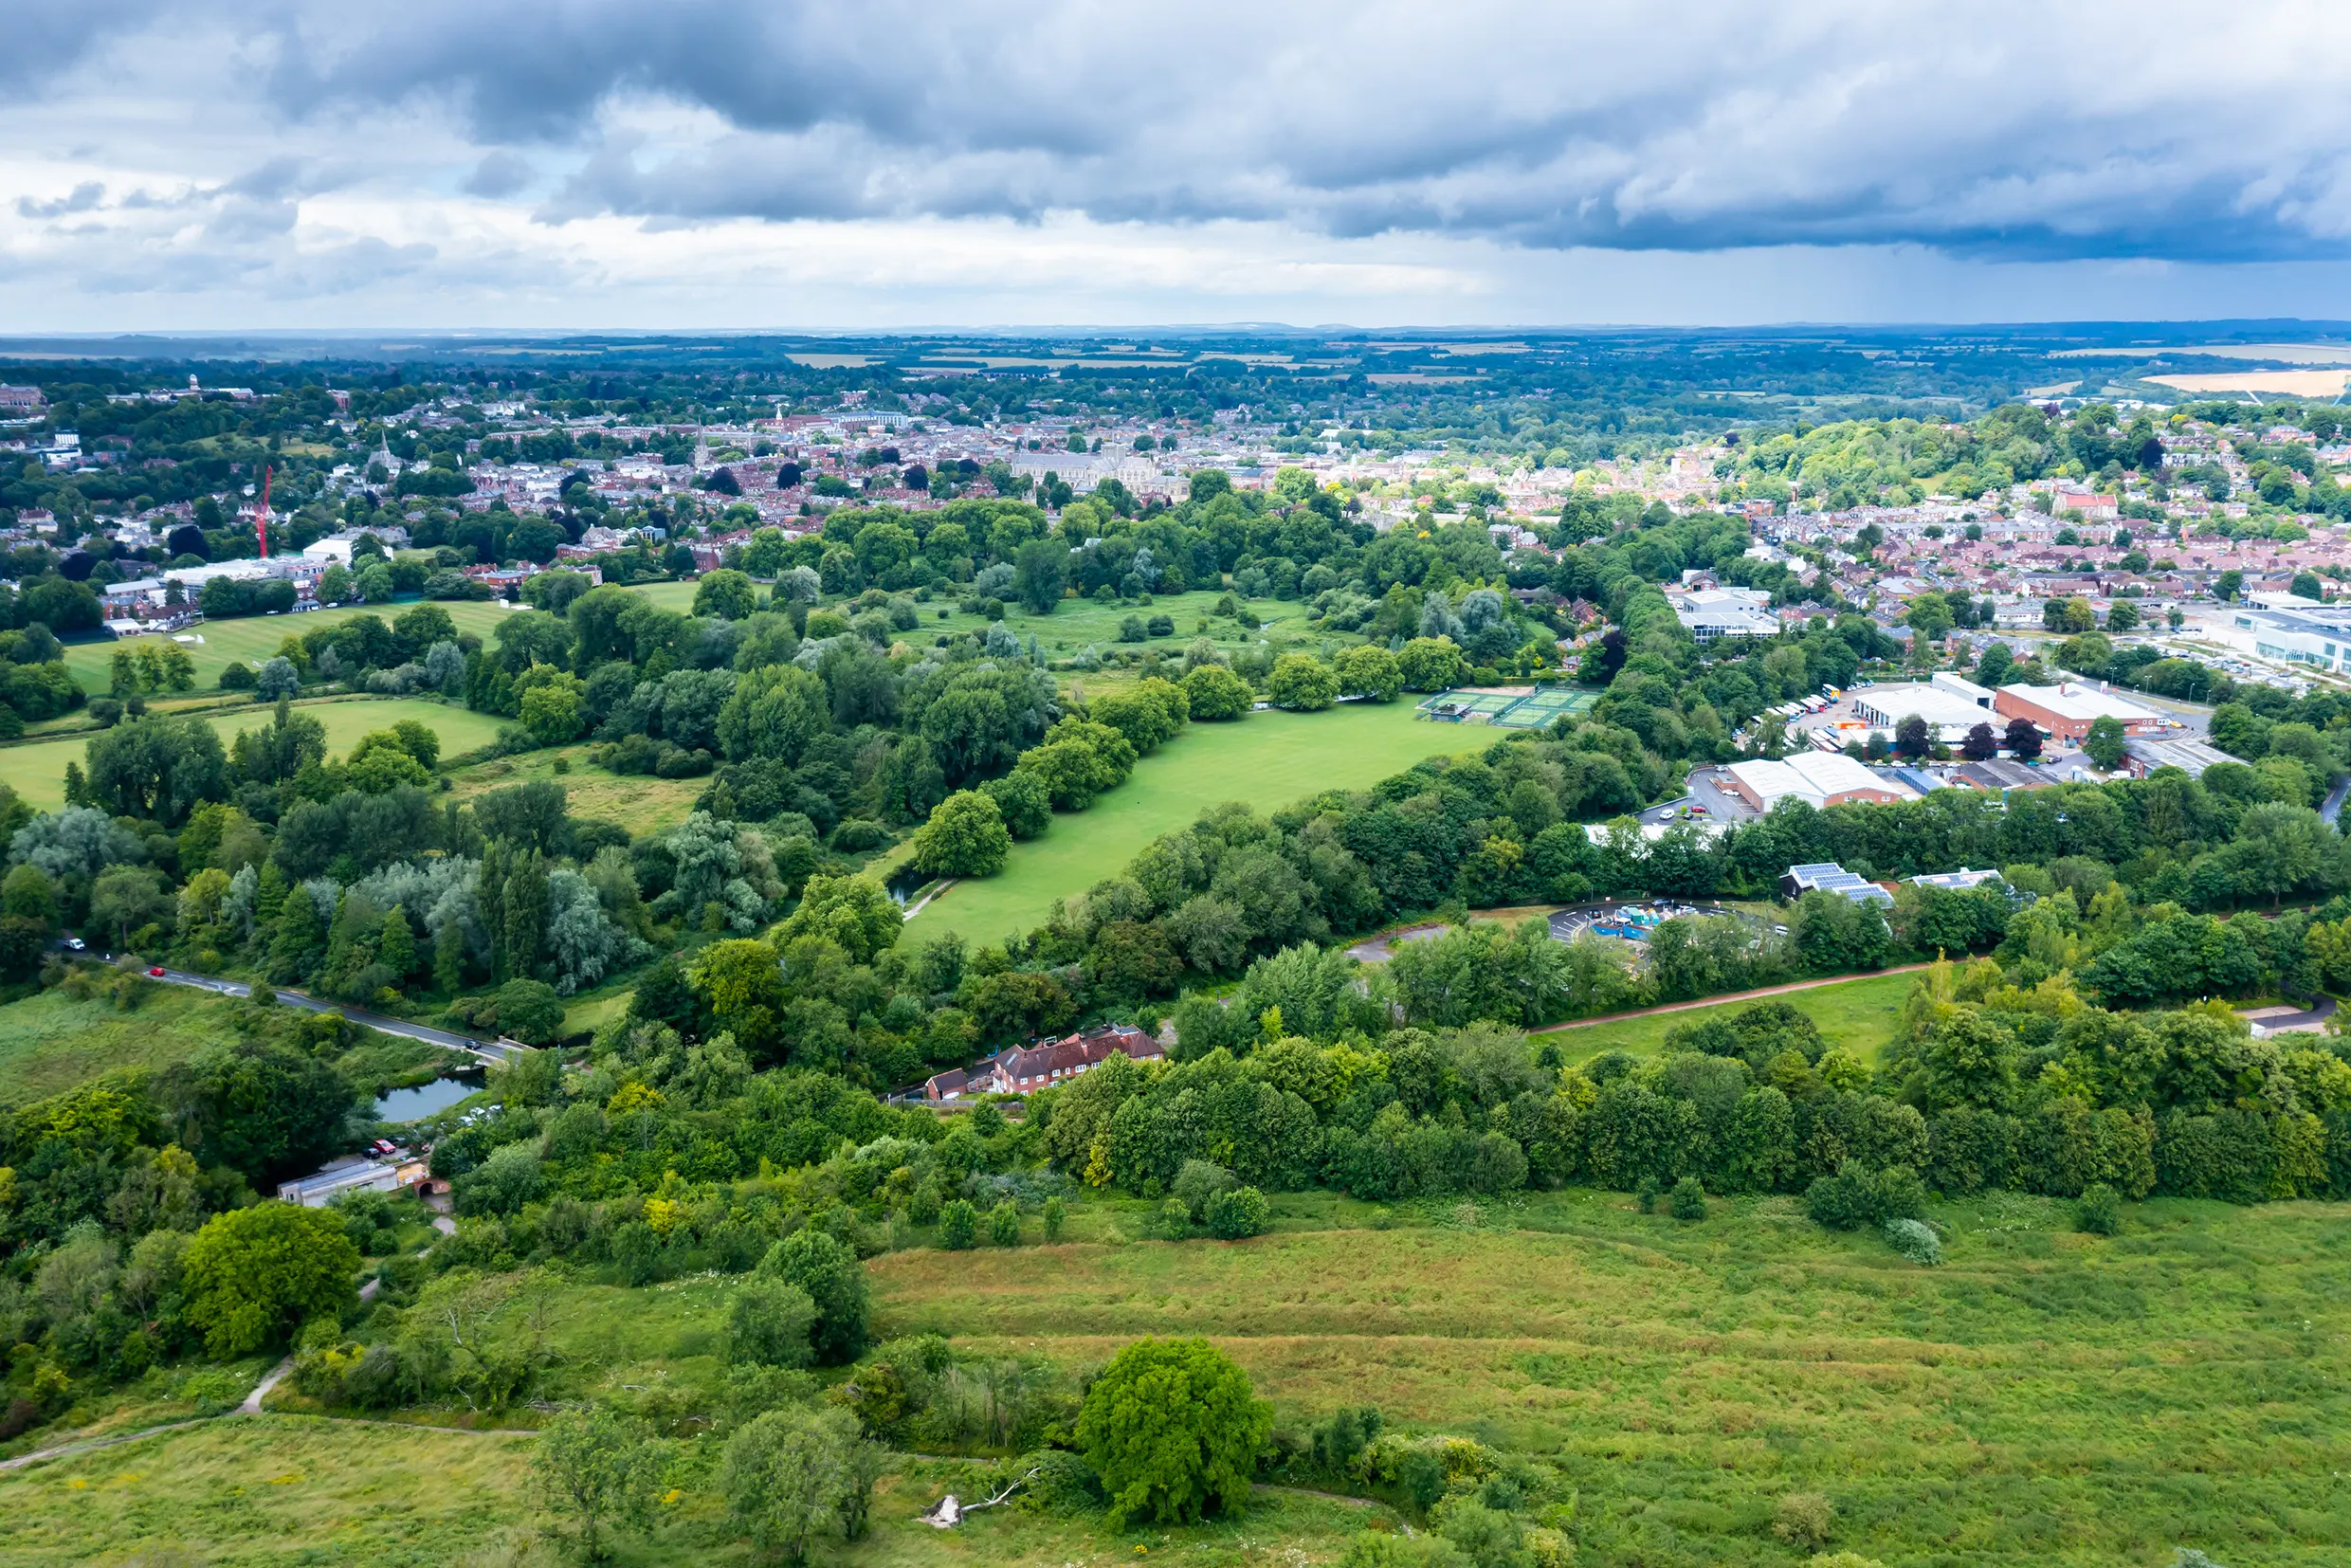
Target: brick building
{"type": "Point", "coordinates": [1024, 1069]}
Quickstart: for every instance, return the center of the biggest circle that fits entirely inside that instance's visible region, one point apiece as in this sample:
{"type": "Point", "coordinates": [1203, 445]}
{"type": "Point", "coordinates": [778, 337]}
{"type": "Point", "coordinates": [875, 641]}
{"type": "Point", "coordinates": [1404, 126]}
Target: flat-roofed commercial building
{"type": "Point", "coordinates": [1713, 613]}
{"type": "Point", "coordinates": [1949, 714]}
{"type": "Point", "coordinates": [2297, 631]}
{"type": "Point", "coordinates": [2066, 710]}
{"type": "Point", "coordinates": [1817, 778]}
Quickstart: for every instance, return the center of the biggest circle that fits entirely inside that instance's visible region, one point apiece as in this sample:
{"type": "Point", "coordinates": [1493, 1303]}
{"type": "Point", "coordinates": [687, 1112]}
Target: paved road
{"type": "Point", "coordinates": [2333, 808]}
{"type": "Point", "coordinates": [487, 1052]}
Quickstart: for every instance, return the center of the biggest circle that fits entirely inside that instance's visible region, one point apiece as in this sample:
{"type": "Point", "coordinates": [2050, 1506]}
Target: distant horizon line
{"type": "Point", "coordinates": [2170, 327]}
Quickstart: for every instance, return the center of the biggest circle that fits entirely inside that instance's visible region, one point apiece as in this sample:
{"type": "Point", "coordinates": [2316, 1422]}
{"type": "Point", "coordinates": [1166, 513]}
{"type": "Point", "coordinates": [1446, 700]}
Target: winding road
{"type": "Point", "coordinates": [500, 1050]}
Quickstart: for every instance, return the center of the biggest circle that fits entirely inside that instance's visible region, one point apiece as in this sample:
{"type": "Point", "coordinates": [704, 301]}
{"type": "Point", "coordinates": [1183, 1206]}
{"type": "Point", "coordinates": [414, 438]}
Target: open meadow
{"type": "Point", "coordinates": [252, 639]}
{"type": "Point", "coordinates": [1081, 623]}
{"type": "Point", "coordinates": [1268, 759]}
{"type": "Point", "coordinates": [51, 1040]}
{"type": "Point", "coordinates": [265, 1491]}
{"type": "Point", "coordinates": [37, 770]}
{"type": "Point", "coordinates": [639, 802]}
{"type": "Point", "coordinates": [2044, 1398]}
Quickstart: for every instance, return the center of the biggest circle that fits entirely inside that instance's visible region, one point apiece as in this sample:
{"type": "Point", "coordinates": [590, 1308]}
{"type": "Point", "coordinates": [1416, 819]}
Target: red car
{"type": "Point", "coordinates": [157, 971]}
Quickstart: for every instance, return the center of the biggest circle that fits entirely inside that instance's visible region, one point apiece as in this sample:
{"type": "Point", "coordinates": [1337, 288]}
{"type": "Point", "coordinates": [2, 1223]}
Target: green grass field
{"type": "Point", "coordinates": [1267, 759]}
{"type": "Point", "coordinates": [37, 771]}
{"type": "Point", "coordinates": [50, 1042]}
{"type": "Point", "coordinates": [277, 1490]}
{"type": "Point", "coordinates": [638, 802]}
{"type": "Point", "coordinates": [1082, 622]}
{"type": "Point", "coordinates": [2044, 1399]}
{"type": "Point", "coordinates": [253, 639]}
{"type": "Point", "coordinates": [1856, 1014]}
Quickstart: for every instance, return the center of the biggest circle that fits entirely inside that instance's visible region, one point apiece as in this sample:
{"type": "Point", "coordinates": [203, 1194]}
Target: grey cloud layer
{"type": "Point", "coordinates": [1999, 127]}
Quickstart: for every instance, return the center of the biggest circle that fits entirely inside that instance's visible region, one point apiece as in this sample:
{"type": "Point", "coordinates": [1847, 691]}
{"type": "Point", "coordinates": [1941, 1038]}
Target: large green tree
{"type": "Point", "coordinates": [1041, 575]}
{"type": "Point", "coordinates": [1173, 1428]}
{"type": "Point", "coordinates": [965, 837]}
{"type": "Point", "coordinates": [597, 1467]}
{"type": "Point", "coordinates": [796, 1477]}
{"type": "Point", "coordinates": [831, 1275]}
{"type": "Point", "coordinates": [254, 1274]}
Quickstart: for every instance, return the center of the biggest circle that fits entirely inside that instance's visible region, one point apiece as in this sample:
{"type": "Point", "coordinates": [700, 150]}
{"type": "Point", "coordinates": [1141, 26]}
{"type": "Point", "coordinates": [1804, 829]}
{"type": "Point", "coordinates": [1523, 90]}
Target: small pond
{"type": "Point", "coordinates": [414, 1105]}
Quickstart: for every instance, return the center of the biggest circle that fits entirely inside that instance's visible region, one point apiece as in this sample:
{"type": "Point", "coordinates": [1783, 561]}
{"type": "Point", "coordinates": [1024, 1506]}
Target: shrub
{"type": "Point", "coordinates": [1916, 1240]}
{"type": "Point", "coordinates": [1004, 1224]}
{"type": "Point", "coordinates": [1174, 1219]}
{"type": "Point", "coordinates": [959, 1226]}
{"type": "Point", "coordinates": [1057, 1480]}
{"type": "Point", "coordinates": [1689, 1199]}
{"type": "Point", "coordinates": [768, 1324]}
{"type": "Point", "coordinates": [1648, 1194]}
{"type": "Point", "coordinates": [1238, 1214]}
{"type": "Point", "coordinates": [1854, 1196]}
{"type": "Point", "coordinates": [1803, 1520]}
{"type": "Point", "coordinates": [238, 676]}
{"type": "Point", "coordinates": [1197, 1183]}
{"type": "Point", "coordinates": [1055, 1214]}
{"type": "Point", "coordinates": [2100, 1211]}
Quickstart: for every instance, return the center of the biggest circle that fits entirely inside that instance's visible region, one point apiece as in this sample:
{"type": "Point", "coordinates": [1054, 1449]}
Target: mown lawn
{"type": "Point", "coordinates": [252, 639]}
{"type": "Point", "coordinates": [1856, 1014]}
{"type": "Point", "coordinates": [1268, 759]}
{"type": "Point", "coordinates": [37, 771]}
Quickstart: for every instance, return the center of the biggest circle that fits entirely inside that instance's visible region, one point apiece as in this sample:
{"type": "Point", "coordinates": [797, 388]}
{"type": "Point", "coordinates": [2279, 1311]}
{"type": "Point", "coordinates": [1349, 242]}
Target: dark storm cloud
{"type": "Point", "coordinates": [2000, 128]}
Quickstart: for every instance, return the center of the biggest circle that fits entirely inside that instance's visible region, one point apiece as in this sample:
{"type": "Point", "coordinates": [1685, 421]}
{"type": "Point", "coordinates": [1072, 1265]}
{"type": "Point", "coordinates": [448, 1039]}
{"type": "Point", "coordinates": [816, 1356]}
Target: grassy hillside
{"type": "Point", "coordinates": [251, 639]}
{"type": "Point", "coordinates": [1856, 1014]}
{"type": "Point", "coordinates": [1268, 759]}
{"type": "Point", "coordinates": [2044, 1398]}
{"type": "Point", "coordinates": [37, 772]}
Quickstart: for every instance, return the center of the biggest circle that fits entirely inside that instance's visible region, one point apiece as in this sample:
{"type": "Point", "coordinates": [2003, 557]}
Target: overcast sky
{"type": "Point", "coordinates": [714, 163]}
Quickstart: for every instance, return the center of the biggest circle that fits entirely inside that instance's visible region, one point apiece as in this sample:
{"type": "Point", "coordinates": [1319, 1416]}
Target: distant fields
{"type": "Point", "coordinates": [1080, 623]}
{"type": "Point", "coordinates": [37, 772]}
{"type": "Point", "coordinates": [251, 639]}
{"type": "Point", "coordinates": [639, 802]}
{"type": "Point", "coordinates": [1268, 759]}
{"type": "Point", "coordinates": [1856, 1014]}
